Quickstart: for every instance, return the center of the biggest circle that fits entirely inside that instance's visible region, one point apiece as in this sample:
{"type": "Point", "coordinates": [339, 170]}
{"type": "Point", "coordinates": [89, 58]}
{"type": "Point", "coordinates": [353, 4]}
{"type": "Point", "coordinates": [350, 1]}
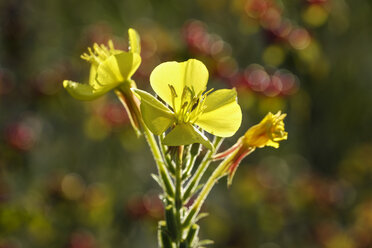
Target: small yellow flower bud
{"type": "Point", "coordinates": [267, 133]}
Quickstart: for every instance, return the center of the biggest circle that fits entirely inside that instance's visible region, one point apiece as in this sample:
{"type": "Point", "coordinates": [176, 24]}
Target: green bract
{"type": "Point", "coordinates": [182, 87]}
{"type": "Point", "coordinates": [109, 68]}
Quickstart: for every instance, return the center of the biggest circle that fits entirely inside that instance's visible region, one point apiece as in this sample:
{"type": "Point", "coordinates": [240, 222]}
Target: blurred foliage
{"type": "Point", "coordinates": [74, 175]}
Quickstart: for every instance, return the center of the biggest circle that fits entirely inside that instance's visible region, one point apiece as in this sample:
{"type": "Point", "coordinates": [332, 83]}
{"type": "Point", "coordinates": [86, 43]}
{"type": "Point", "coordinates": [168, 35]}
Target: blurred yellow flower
{"type": "Point", "coordinates": [267, 133]}
{"type": "Point", "coordinates": [111, 69]}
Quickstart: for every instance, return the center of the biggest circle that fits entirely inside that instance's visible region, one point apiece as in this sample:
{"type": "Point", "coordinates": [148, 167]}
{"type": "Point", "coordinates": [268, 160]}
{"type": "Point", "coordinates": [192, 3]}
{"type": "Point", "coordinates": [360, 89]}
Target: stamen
{"type": "Point", "coordinates": [189, 101]}
{"type": "Point", "coordinates": [99, 53]}
{"type": "Point", "coordinates": [174, 95]}
{"type": "Point", "coordinates": [105, 50]}
{"type": "Point", "coordinates": [192, 106]}
{"type": "Point", "coordinates": [195, 105]}
{"type": "Point", "coordinates": [184, 105]}
{"type": "Point", "coordinates": [199, 107]}
{"type": "Point", "coordinates": [111, 45]}
{"type": "Point", "coordinates": [187, 94]}
{"type": "Point", "coordinates": [209, 91]}
{"type": "Point", "coordinates": [173, 91]}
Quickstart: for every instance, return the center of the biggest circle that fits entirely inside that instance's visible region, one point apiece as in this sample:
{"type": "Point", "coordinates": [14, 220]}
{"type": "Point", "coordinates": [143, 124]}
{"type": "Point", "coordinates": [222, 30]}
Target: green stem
{"type": "Point", "coordinates": [169, 187]}
{"type": "Point", "coordinates": [130, 104]}
{"type": "Point", "coordinates": [194, 181]}
{"type": "Point", "coordinates": [178, 195]}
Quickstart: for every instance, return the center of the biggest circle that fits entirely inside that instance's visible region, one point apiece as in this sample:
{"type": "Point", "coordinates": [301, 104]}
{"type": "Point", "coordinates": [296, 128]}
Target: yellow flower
{"type": "Point", "coordinates": [266, 133]}
{"type": "Point", "coordinates": [109, 69]}
{"type": "Point", "coordinates": [182, 86]}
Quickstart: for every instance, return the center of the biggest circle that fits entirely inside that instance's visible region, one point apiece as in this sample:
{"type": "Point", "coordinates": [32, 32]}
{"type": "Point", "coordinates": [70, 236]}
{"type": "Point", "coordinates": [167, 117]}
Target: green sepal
{"type": "Point", "coordinates": [134, 41]}
{"type": "Point", "coordinates": [157, 117]}
{"type": "Point", "coordinates": [186, 134]}
{"type": "Point", "coordinates": [83, 92]}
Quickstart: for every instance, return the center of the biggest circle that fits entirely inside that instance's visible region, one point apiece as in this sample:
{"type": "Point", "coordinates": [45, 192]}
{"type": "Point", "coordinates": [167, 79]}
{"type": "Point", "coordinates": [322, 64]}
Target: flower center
{"type": "Point", "coordinates": [192, 105]}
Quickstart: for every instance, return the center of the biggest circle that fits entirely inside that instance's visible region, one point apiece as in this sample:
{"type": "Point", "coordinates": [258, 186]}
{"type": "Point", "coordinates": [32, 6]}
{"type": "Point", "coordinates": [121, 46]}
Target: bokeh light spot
{"type": "Point", "coordinates": [315, 15]}
{"type": "Point", "coordinates": [72, 186]}
{"type": "Point", "coordinates": [273, 55]}
{"type": "Point", "coordinates": [96, 128]}
{"type": "Point", "coordinates": [299, 38]}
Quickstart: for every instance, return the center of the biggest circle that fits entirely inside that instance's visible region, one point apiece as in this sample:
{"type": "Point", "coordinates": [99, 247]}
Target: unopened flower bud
{"type": "Point", "coordinates": [266, 133]}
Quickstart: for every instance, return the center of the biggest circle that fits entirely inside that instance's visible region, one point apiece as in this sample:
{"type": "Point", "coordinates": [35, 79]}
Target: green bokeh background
{"type": "Point", "coordinates": [73, 174]}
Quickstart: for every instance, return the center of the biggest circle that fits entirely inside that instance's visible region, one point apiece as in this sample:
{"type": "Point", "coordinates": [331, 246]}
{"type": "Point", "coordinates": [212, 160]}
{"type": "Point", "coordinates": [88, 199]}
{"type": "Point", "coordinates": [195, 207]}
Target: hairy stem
{"type": "Point", "coordinates": [169, 187]}
{"type": "Point", "coordinates": [178, 195]}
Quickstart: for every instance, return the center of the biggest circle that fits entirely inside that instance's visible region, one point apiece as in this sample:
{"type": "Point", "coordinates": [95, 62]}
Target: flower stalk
{"type": "Point", "coordinates": [131, 105]}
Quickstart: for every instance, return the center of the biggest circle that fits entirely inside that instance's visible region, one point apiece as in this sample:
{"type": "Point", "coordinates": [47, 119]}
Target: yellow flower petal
{"type": "Point", "coordinates": [222, 115]}
{"type": "Point", "coordinates": [134, 41]}
{"type": "Point", "coordinates": [191, 73]}
{"type": "Point", "coordinates": [82, 91]}
{"type": "Point", "coordinates": [93, 76]}
{"type": "Point", "coordinates": [117, 68]}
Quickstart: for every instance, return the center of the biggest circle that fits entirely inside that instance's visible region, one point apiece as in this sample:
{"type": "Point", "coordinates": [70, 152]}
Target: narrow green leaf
{"type": "Point", "coordinates": [157, 179]}
{"type": "Point", "coordinates": [206, 242]}
{"type": "Point", "coordinates": [201, 216]}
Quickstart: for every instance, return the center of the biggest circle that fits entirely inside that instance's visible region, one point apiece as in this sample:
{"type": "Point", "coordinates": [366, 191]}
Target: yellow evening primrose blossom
{"type": "Point", "coordinates": [109, 69]}
{"type": "Point", "coordinates": [266, 133]}
{"type": "Point", "coordinates": [189, 107]}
